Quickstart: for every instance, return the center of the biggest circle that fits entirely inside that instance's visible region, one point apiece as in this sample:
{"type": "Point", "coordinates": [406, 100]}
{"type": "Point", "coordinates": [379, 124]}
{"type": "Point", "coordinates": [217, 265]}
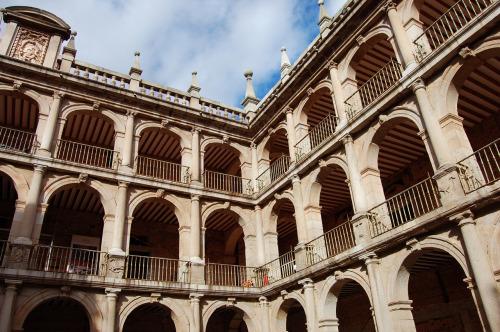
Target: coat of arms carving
{"type": "Point", "coordinates": [30, 45]}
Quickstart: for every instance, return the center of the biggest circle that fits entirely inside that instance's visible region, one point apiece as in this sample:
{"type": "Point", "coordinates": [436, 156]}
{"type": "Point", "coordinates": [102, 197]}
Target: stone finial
{"type": "Point", "coordinates": [324, 18]}
{"type": "Point", "coordinates": [194, 88]}
{"type": "Point", "coordinates": [136, 67]}
{"type": "Point", "coordinates": [285, 63]}
{"type": "Point", "coordinates": [250, 102]}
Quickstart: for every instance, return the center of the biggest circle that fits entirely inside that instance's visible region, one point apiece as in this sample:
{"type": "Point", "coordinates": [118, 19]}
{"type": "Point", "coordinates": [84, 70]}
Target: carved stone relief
{"type": "Point", "coordinates": [30, 45]}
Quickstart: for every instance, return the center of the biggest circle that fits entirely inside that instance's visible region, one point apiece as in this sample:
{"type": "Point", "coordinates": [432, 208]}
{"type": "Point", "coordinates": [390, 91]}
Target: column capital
{"type": "Point", "coordinates": [370, 258]}
{"type": "Point", "coordinates": [131, 113]}
{"type": "Point", "coordinates": [347, 139]}
{"type": "Point", "coordinates": [58, 95]}
{"type": "Point", "coordinates": [123, 184]}
{"type": "Point", "coordinates": [331, 65]}
{"type": "Point", "coordinates": [195, 130]}
{"type": "Point", "coordinates": [288, 110]}
{"type": "Point", "coordinates": [417, 84]}
{"type": "Point", "coordinates": [257, 208]}
{"type": "Point", "coordinates": [295, 179]}
{"type": "Point", "coordinates": [195, 197]}
{"type": "Point", "coordinates": [463, 218]}
{"type": "Point", "coordinates": [12, 285]}
{"type": "Point", "coordinates": [39, 168]}
{"type": "Point", "coordinates": [263, 301]}
{"type": "Point", "coordinates": [389, 5]}
{"type": "Point", "coordinates": [253, 145]}
{"type": "Point", "coordinates": [112, 292]}
{"type": "Point", "coordinates": [195, 297]}
{"type": "Point", "coordinates": [306, 283]}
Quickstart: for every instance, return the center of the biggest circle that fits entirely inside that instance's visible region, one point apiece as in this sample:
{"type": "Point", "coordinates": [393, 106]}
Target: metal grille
{"type": "Point", "coordinates": [17, 140]}
{"type": "Point", "coordinates": [160, 169]}
{"type": "Point", "coordinates": [330, 244]}
{"type": "Point", "coordinates": [157, 269]}
{"type": "Point", "coordinates": [274, 172]}
{"type": "Point", "coordinates": [277, 269]}
{"type": "Point", "coordinates": [319, 134]}
{"type": "Point", "coordinates": [230, 275]}
{"type": "Point", "coordinates": [229, 183]}
{"type": "Point", "coordinates": [86, 154]}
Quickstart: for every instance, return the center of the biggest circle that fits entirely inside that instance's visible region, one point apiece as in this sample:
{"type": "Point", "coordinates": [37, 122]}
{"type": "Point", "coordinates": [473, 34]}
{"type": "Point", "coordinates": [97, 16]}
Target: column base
{"type": "Point", "coordinates": [44, 153]}
{"type": "Point", "coordinates": [361, 227]}
{"type": "Point", "coordinates": [449, 185]}
{"type": "Point", "coordinates": [300, 256]}
{"type": "Point", "coordinates": [410, 67]}
{"type": "Point", "coordinates": [18, 257]}
{"type": "Point", "coordinates": [197, 273]}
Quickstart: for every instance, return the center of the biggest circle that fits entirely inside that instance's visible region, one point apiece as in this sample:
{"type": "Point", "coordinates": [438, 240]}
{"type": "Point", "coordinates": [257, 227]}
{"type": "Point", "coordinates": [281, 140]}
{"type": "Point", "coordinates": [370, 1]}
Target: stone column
{"type": "Point", "coordinates": [255, 166]}
{"type": "Point", "coordinates": [402, 40]}
{"type": "Point", "coordinates": [120, 215]}
{"type": "Point", "coordinates": [9, 301]}
{"type": "Point", "coordinates": [380, 306]}
{"type": "Point", "coordinates": [50, 125]}
{"type": "Point", "coordinates": [264, 316]}
{"type": "Point", "coordinates": [329, 325]}
{"type": "Point", "coordinates": [129, 140]}
{"type": "Point", "coordinates": [28, 220]}
{"type": "Point", "coordinates": [259, 230]}
{"type": "Point", "coordinates": [489, 295]}
{"type": "Point", "coordinates": [195, 160]}
{"type": "Point", "coordinates": [308, 286]}
{"type": "Point", "coordinates": [338, 93]}
{"type": "Point", "coordinates": [300, 218]}
{"type": "Point", "coordinates": [196, 311]}
{"type": "Point", "coordinates": [290, 128]}
{"type": "Point", "coordinates": [111, 296]}
{"type": "Point", "coordinates": [195, 228]}
{"type": "Point", "coordinates": [436, 136]}
{"type": "Point", "coordinates": [358, 193]}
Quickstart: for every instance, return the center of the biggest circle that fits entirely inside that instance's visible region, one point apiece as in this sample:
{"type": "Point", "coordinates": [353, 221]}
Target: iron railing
{"type": "Point", "coordinates": [229, 183]}
{"type": "Point", "coordinates": [4, 246]}
{"type": "Point", "coordinates": [410, 204]}
{"type": "Point", "coordinates": [454, 19]}
{"type": "Point", "coordinates": [330, 244]}
{"type": "Point", "coordinates": [160, 169]}
{"type": "Point", "coordinates": [379, 83]}
{"type": "Point", "coordinates": [157, 269]}
{"type": "Point", "coordinates": [17, 140]}
{"type": "Point", "coordinates": [230, 275]}
{"type": "Point", "coordinates": [480, 168]}
{"type": "Point", "coordinates": [320, 133]}
{"type": "Point", "coordinates": [68, 260]}
{"type": "Point", "coordinates": [277, 269]}
{"type": "Point", "coordinates": [273, 172]}
{"type": "Point", "coordinates": [86, 154]}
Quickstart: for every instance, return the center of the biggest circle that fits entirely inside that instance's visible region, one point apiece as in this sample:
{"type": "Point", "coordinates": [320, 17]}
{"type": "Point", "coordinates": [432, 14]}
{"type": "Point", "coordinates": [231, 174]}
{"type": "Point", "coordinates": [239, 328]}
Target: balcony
{"type": "Point", "coordinates": [86, 154]}
{"type": "Point", "coordinates": [230, 275]}
{"type": "Point", "coordinates": [279, 268]}
{"type": "Point", "coordinates": [157, 269]}
{"type": "Point", "coordinates": [228, 183]}
{"type": "Point", "coordinates": [68, 260]}
{"type": "Point", "coordinates": [4, 245]}
{"type": "Point", "coordinates": [410, 204]}
{"type": "Point", "coordinates": [480, 168]}
{"type": "Point", "coordinates": [446, 26]}
{"type": "Point", "coordinates": [330, 244]}
{"type": "Point", "coordinates": [379, 83]}
{"type": "Point", "coordinates": [274, 172]}
{"type": "Point", "coordinates": [162, 170]}
{"type": "Point", "coordinates": [316, 136]}
{"type": "Point", "coordinates": [17, 140]}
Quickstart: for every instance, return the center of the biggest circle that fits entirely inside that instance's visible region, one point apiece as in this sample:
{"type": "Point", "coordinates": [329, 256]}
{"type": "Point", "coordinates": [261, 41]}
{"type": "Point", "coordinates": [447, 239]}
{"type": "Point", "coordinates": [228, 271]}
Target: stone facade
{"type": "Point", "coordinates": [360, 195]}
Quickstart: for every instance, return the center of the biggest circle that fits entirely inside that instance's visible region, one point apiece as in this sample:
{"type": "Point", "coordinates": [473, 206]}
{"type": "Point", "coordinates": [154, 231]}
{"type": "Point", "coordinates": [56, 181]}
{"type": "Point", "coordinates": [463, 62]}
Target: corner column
{"type": "Point", "coordinates": [195, 161]}
{"type": "Point", "coordinates": [259, 235]}
{"type": "Point", "coordinates": [197, 264]}
{"type": "Point", "coordinates": [358, 193]}
{"type": "Point", "coordinates": [255, 167]}
{"type": "Point", "coordinates": [195, 299]}
{"type": "Point", "coordinates": [121, 212]}
{"type": "Point", "coordinates": [264, 314]}
{"type": "Point", "coordinates": [50, 126]}
{"type": "Point", "coordinates": [380, 306]}
{"type": "Point", "coordinates": [308, 287]}
{"type": "Point", "coordinates": [481, 269]}
{"type": "Point", "coordinates": [290, 128]}
{"type": "Point", "coordinates": [9, 301]}
{"type": "Point", "coordinates": [338, 93]}
{"type": "Point", "coordinates": [129, 140]}
{"type": "Point", "coordinates": [300, 217]}
{"type": "Point", "coordinates": [111, 297]}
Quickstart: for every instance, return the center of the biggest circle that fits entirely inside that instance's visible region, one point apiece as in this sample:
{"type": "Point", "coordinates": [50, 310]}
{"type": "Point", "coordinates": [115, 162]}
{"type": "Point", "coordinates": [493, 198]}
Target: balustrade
{"type": "Point", "coordinates": [274, 172]}
{"type": "Point", "coordinates": [68, 260]}
{"type": "Point", "coordinates": [230, 275]}
{"type": "Point", "coordinates": [316, 136]}
{"type": "Point", "coordinates": [17, 140]}
{"type": "Point", "coordinates": [160, 169]}
{"type": "Point", "coordinates": [157, 269]}
{"type": "Point", "coordinates": [379, 83]}
{"type": "Point", "coordinates": [454, 19]}
{"type": "Point", "coordinates": [480, 168]}
{"type": "Point", "coordinates": [229, 183]}
{"type": "Point", "coordinates": [410, 204]}
{"type": "Point", "coordinates": [279, 268]}
{"type": "Point", "coordinates": [4, 246]}
{"type": "Point", "coordinates": [330, 244]}
{"type": "Point", "coordinates": [86, 154]}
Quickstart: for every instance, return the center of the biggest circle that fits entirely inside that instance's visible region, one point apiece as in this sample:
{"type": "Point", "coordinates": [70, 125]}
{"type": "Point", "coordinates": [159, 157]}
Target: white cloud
{"type": "Point", "coordinates": [218, 38]}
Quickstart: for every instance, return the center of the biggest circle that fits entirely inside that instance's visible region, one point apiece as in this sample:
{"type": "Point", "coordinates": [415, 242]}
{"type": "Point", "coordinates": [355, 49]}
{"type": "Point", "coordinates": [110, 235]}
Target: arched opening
{"type": "Point", "coordinates": [439, 294]}
{"type": "Point", "coordinates": [8, 197]}
{"type": "Point", "coordinates": [150, 317]}
{"type": "Point", "coordinates": [18, 123]}
{"type": "Point", "coordinates": [319, 106]}
{"type": "Point", "coordinates": [71, 233]}
{"type": "Point", "coordinates": [276, 158]}
{"type": "Point", "coordinates": [58, 315]}
{"type": "Point", "coordinates": [159, 156]}
{"type": "Point", "coordinates": [285, 226]}
{"type": "Point", "coordinates": [353, 308]}
{"type": "Point", "coordinates": [88, 139]}
{"type": "Point", "coordinates": [291, 317]}
{"type": "Point", "coordinates": [226, 319]}
{"type": "Point", "coordinates": [278, 145]}
{"type": "Point", "coordinates": [154, 242]}
{"type": "Point", "coordinates": [222, 170]}
{"type": "Point", "coordinates": [224, 243]}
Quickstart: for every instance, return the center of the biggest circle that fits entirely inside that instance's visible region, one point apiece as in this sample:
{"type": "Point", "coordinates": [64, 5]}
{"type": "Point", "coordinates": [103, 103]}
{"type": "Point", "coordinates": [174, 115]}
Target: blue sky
{"type": "Point", "coordinates": [218, 38]}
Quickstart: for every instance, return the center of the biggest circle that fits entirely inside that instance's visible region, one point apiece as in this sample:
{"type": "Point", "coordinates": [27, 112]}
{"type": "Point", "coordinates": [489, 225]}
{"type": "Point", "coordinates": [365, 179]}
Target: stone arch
{"type": "Point", "coordinates": [280, 309]}
{"type": "Point", "coordinates": [264, 148]}
{"type": "Point", "coordinates": [233, 146]}
{"type": "Point", "coordinates": [410, 10]}
{"type": "Point", "coordinates": [236, 211]}
{"type": "Point", "coordinates": [312, 188]}
{"type": "Point", "coordinates": [378, 130]}
{"type": "Point", "coordinates": [181, 211]}
{"type": "Point", "coordinates": [43, 104]}
{"type": "Point", "coordinates": [397, 287]}
{"type": "Point", "coordinates": [311, 96]}
{"type": "Point", "coordinates": [103, 113]}
{"type": "Point", "coordinates": [94, 313]}
{"type": "Point", "coordinates": [248, 313]}
{"type": "Point", "coordinates": [181, 318]}
{"type": "Point", "coordinates": [183, 137]}
{"type": "Point", "coordinates": [272, 216]}
{"type": "Point", "coordinates": [494, 249]}
{"type": "Point", "coordinates": [328, 296]}
{"type": "Point", "coordinates": [18, 180]}
{"type": "Point", "coordinates": [106, 197]}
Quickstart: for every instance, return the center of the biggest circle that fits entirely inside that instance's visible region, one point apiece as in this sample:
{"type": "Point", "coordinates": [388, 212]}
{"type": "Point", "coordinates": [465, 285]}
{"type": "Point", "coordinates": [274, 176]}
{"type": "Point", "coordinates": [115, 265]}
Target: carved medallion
{"type": "Point", "coordinates": [30, 45]}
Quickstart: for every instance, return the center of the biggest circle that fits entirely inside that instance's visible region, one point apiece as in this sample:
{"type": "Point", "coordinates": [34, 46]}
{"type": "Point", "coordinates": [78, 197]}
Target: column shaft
{"type": "Point", "coordinates": [195, 161]}
{"type": "Point", "coordinates": [50, 126]}
{"type": "Point", "coordinates": [129, 140]}
{"type": "Point", "coordinates": [338, 93]}
{"type": "Point", "coordinates": [121, 214]}
{"type": "Point", "coordinates": [195, 228]}
{"type": "Point", "coordinates": [300, 218]}
{"type": "Point", "coordinates": [196, 312]}
{"type": "Point", "coordinates": [264, 309]}
{"type": "Point", "coordinates": [310, 308]}
{"type": "Point", "coordinates": [255, 166]}
{"type": "Point", "coordinates": [357, 189]}
{"type": "Point", "coordinates": [292, 140]}
{"type": "Point", "coordinates": [400, 35]}
{"type": "Point", "coordinates": [9, 301]}
{"type": "Point", "coordinates": [111, 295]}
{"type": "Point", "coordinates": [259, 235]}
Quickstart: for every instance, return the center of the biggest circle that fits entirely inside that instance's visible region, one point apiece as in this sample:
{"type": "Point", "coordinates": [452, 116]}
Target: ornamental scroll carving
{"type": "Point", "coordinates": [30, 45]}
